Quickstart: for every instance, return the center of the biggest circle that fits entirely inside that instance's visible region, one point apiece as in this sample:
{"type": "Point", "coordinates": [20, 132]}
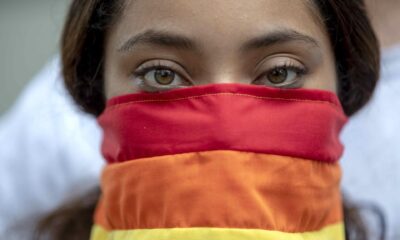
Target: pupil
{"type": "Point", "coordinates": [278, 75]}
{"type": "Point", "coordinates": [164, 77]}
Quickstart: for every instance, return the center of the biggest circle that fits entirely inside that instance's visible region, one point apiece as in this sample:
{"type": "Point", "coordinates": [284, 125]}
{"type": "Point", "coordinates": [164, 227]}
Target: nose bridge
{"type": "Point", "coordinates": [225, 78]}
{"type": "Point", "coordinates": [223, 62]}
{"type": "Point", "coordinates": [226, 72]}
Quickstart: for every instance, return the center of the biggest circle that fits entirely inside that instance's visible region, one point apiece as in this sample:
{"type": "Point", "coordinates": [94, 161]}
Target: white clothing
{"type": "Point", "coordinates": [371, 163]}
{"type": "Point", "coordinates": [48, 148]}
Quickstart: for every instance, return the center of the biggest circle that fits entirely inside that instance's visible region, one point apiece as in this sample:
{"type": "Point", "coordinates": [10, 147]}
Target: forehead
{"type": "Point", "coordinates": [217, 20]}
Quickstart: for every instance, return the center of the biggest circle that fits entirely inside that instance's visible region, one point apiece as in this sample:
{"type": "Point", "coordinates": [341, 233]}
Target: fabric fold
{"type": "Point", "coordinates": [221, 161]}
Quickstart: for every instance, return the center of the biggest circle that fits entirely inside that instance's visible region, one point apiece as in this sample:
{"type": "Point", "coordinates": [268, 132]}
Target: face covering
{"type": "Point", "coordinates": [221, 161]}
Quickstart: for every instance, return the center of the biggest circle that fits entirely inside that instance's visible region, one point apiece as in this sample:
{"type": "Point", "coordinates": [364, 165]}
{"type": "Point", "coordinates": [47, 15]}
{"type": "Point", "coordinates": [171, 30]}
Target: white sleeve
{"type": "Point", "coordinates": [49, 149]}
{"type": "Point", "coordinates": [371, 163]}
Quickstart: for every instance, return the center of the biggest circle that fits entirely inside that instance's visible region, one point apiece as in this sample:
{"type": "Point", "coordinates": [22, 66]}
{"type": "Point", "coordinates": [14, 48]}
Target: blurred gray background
{"type": "Point", "coordinates": [29, 36]}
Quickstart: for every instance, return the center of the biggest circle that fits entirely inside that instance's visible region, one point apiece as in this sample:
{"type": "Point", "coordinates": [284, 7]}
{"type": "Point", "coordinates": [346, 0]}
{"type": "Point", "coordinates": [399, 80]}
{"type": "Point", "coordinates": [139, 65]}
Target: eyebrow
{"type": "Point", "coordinates": [278, 37]}
{"type": "Point", "coordinates": [161, 38]}
{"type": "Point", "coordinates": [180, 42]}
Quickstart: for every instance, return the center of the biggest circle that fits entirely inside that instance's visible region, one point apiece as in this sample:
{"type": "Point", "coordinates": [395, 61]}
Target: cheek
{"type": "Point", "coordinates": [114, 83]}
{"type": "Point", "coordinates": [111, 83]}
{"type": "Point", "coordinates": [115, 87]}
{"type": "Point", "coordinates": [325, 76]}
{"type": "Point", "coordinates": [324, 80]}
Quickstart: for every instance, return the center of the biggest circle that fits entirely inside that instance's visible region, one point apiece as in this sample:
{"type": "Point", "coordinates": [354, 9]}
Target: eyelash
{"type": "Point", "coordinates": [289, 66]}
{"type": "Point", "coordinates": [144, 70]}
{"type": "Point", "coordinates": [140, 73]}
{"type": "Point", "coordinates": [300, 71]}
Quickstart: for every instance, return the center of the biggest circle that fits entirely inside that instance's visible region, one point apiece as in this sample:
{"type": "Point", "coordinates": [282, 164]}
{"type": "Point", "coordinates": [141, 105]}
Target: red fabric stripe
{"type": "Point", "coordinates": [297, 122]}
{"type": "Point", "coordinates": [254, 90]}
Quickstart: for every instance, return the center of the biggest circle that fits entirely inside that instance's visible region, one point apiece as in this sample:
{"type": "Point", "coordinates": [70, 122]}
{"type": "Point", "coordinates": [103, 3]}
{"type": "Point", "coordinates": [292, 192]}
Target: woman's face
{"type": "Point", "coordinates": [159, 45]}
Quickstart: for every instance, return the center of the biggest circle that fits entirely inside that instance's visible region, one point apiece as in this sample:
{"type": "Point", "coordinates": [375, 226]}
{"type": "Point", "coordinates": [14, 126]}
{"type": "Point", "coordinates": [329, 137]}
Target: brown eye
{"type": "Point", "coordinates": [284, 76]}
{"type": "Point", "coordinates": [278, 75]}
{"type": "Point", "coordinates": [164, 76]}
{"type": "Point", "coordinates": [160, 79]}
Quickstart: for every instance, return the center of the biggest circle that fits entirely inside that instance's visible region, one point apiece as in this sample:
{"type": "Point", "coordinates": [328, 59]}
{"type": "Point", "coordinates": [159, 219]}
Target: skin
{"type": "Point", "coordinates": [386, 20]}
{"type": "Point", "coordinates": [271, 43]}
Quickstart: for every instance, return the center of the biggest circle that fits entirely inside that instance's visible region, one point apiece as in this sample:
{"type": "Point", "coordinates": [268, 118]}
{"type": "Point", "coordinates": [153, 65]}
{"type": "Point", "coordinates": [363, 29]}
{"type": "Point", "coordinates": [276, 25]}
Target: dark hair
{"type": "Point", "coordinates": [354, 43]}
{"type": "Point", "coordinates": [82, 50]}
{"type": "Point", "coordinates": [88, 22]}
{"type": "Point", "coordinates": [356, 50]}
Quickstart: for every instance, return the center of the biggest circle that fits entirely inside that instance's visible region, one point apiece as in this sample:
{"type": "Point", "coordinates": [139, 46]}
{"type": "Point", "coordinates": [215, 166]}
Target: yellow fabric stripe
{"type": "Point", "coordinates": [332, 232]}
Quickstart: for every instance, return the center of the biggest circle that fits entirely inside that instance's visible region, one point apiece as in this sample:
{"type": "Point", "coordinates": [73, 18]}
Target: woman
{"type": "Point", "coordinates": [222, 117]}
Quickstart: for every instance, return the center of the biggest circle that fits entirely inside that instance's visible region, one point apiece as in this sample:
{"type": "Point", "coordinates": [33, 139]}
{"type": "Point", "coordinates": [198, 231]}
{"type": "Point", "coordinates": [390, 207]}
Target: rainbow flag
{"type": "Point", "coordinates": [223, 162]}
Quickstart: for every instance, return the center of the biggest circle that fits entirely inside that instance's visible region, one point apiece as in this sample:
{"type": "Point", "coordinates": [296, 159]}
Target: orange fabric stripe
{"type": "Point", "coordinates": [225, 189]}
